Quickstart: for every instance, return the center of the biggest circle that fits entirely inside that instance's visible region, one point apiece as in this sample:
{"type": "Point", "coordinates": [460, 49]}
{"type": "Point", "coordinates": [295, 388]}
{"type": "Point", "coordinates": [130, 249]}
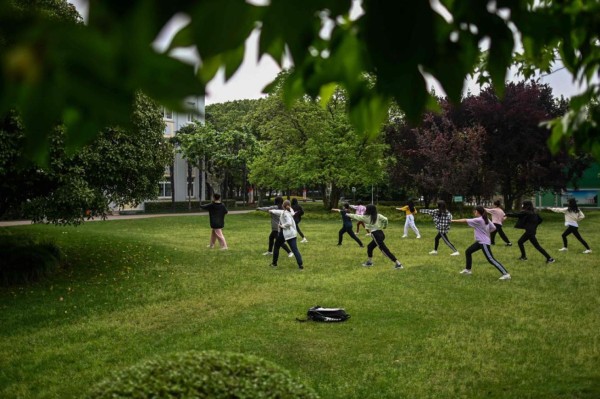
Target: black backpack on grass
{"type": "Point", "coordinates": [327, 315]}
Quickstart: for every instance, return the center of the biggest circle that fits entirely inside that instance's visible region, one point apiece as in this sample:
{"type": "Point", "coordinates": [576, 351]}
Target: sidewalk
{"type": "Point", "coordinates": [9, 223]}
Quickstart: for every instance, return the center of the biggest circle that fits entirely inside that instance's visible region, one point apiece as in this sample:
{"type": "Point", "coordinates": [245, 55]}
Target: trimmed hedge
{"type": "Point", "coordinates": [180, 206]}
{"type": "Point", "coordinates": [208, 374]}
{"type": "Point", "coordinates": [26, 261]}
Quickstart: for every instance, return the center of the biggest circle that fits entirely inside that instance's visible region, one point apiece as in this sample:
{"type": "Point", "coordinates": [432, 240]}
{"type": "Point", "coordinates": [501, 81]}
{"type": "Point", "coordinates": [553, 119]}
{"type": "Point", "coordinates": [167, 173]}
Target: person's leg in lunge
{"type": "Point", "coordinates": [469, 255]}
{"type": "Point", "coordinates": [502, 235]}
{"type": "Point", "coordinates": [294, 246]}
{"type": "Point", "coordinates": [278, 241]}
{"type": "Point", "coordinates": [448, 243]}
{"type": "Point", "coordinates": [581, 240]}
{"type": "Point", "coordinates": [406, 225]}
{"type": "Point", "coordinates": [370, 248]}
{"type": "Point", "coordinates": [487, 251]}
{"type": "Point", "coordinates": [437, 241]}
{"type": "Point", "coordinates": [354, 237]}
{"type": "Point", "coordinates": [341, 235]}
{"type": "Point", "coordinates": [565, 234]}
{"type": "Point", "coordinates": [522, 240]}
{"type": "Point", "coordinates": [493, 234]}
{"type": "Point", "coordinates": [537, 246]}
{"type": "Point", "coordinates": [272, 239]}
{"type": "Point", "coordinates": [379, 239]}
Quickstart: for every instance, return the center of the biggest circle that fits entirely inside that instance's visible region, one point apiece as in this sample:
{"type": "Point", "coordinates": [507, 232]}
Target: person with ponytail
{"type": "Point", "coordinates": [375, 223]}
{"type": "Point", "coordinates": [482, 228]}
{"type": "Point", "coordinates": [529, 220]}
{"type": "Point", "coordinates": [572, 215]}
{"type": "Point", "coordinates": [498, 217]}
{"type": "Point", "coordinates": [441, 219]}
{"type": "Point", "coordinates": [410, 211]}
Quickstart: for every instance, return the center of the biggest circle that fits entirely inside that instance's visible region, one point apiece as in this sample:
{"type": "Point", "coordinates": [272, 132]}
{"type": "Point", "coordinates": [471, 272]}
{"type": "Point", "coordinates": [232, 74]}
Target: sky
{"type": "Point", "coordinates": [254, 74]}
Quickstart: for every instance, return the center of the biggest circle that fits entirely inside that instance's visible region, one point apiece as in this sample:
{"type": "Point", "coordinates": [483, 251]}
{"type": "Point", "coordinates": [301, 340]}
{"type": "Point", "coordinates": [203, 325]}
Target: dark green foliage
{"type": "Point", "coordinates": [26, 261]}
{"type": "Point", "coordinates": [207, 374]}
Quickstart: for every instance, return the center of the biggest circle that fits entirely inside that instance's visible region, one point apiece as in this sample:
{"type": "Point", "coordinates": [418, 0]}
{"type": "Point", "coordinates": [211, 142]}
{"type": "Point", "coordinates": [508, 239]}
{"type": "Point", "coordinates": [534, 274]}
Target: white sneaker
{"type": "Point", "coordinates": [455, 253]}
{"type": "Point", "coordinates": [434, 252]}
{"type": "Point", "coordinates": [404, 236]}
{"type": "Point", "coordinates": [563, 249]}
{"type": "Point", "coordinates": [290, 255]}
{"type": "Point", "coordinates": [505, 277]}
{"type": "Point", "coordinates": [368, 234]}
{"type": "Point", "coordinates": [466, 271]}
{"type": "Point", "coordinates": [304, 240]}
{"type": "Point", "coordinates": [418, 236]}
{"type": "Point", "coordinates": [587, 251]}
{"type": "Point", "coordinates": [268, 253]}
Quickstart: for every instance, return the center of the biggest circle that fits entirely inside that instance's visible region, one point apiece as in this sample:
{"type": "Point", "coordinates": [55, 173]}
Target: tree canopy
{"type": "Point", "coordinates": [86, 75]}
{"type": "Point", "coordinates": [120, 167]}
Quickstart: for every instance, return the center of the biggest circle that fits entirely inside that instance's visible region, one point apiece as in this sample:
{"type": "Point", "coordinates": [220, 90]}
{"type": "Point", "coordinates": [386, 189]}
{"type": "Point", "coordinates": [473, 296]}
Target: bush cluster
{"type": "Point", "coordinates": [25, 261]}
{"type": "Point", "coordinates": [180, 206]}
{"type": "Point", "coordinates": [208, 374]}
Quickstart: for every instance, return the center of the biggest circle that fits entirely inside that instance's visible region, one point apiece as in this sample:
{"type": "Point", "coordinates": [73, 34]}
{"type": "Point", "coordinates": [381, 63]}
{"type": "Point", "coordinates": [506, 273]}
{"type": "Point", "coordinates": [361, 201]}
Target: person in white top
{"type": "Point", "coordinates": [287, 233]}
{"type": "Point", "coordinates": [572, 215]}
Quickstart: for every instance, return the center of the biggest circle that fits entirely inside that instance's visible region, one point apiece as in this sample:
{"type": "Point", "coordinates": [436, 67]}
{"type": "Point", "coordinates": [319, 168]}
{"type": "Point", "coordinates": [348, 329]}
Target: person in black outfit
{"type": "Point", "coordinates": [298, 212]}
{"type": "Point", "coordinates": [346, 225]}
{"type": "Point", "coordinates": [216, 211]}
{"type": "Point", "coordinates": [529, 220]}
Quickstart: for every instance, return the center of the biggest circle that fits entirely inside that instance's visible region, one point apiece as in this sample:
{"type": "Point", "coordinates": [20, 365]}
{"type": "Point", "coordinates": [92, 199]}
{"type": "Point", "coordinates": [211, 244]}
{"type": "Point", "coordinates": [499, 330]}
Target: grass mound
{"type": "Point", "coordinates": [209, 374]}
{"type": "Point", "coordinates": [25, 261]}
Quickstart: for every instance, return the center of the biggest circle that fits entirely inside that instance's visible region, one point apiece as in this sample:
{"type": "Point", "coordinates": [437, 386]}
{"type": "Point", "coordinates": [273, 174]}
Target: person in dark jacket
{"type": "Point", "coordinates": [346, 225]}
{"type": "Point", "coordinates": [298, 212]}
{"type": "Point", "coordinates": [216, 211]}
{"type": "Point", "coordinates": [275, 227]}
{"type": "Point", "coordinates": [529, 220]}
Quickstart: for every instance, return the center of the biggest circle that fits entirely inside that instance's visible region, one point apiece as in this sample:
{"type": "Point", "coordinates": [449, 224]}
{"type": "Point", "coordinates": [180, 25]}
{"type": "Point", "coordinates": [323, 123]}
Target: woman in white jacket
{"type": "Point", "coordinates": [572, 215]}
{"type": "Point", "coordinates": [287, 233]}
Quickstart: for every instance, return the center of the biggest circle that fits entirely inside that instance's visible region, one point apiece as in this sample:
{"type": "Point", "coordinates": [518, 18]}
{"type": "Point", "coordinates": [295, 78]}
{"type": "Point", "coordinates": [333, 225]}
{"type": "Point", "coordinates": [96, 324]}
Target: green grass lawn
{"type": "Point", "coordinates": [138, 289]}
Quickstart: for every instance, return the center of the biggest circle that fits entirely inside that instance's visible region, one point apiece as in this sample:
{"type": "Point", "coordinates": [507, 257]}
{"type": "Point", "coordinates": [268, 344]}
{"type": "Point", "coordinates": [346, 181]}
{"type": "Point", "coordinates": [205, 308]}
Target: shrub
{"type": "Point", "coordinates": [25, 261]}
{"type": "Point", "coordinates": [208, 374]}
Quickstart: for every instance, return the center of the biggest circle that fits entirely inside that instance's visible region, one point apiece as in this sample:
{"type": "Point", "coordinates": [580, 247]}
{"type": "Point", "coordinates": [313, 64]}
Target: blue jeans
{"type": "Point", "coordinates": [293, 245]}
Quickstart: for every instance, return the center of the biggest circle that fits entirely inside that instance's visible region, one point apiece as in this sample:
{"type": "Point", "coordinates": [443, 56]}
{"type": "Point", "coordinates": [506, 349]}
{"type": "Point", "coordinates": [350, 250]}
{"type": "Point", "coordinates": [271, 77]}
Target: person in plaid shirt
{"type": "Point", "coordinates": [441, 219]}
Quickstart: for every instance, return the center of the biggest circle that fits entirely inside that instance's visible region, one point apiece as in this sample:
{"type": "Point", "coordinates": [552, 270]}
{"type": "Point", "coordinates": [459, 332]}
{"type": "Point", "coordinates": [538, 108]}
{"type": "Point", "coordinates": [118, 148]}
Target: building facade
{"type": "Point", "coordinates": [183, 180]}
{"type": "Point", "coordinates": [586, 193]}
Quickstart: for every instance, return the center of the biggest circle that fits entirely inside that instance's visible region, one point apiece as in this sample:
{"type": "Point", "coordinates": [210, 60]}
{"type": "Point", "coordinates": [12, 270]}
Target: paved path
{"type": "Point", "coordinates": [123, 217]}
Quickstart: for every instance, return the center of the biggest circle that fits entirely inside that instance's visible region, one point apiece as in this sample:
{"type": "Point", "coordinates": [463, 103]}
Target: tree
{"type": "Point", "coordinates": [437, 159]}
{"type": "Point", "coordinates": [218, 153]}
{"type": "Point", "coordinates": [516, 143]}
{"type": "Point", "coordinates": [87, 75]}
{"type": "Point", "coordinates": [119, 167]}
{"type": "Point", "coordinates": [307, 145]}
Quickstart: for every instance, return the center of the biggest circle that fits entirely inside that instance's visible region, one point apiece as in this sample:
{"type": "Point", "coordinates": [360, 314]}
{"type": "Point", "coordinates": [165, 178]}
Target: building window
{"type": "Point", "coordinates": [164, 189]}
{"type": "Point", "coordinates": [167, 114]}
{"type": "Point", "coordinates": [190, 115]}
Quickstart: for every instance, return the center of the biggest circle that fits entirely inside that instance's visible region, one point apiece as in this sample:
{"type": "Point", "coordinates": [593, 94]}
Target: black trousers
{"type": "Point", "coordinates": [300, 233]}
{"type": "Point", "coordinates": [444, 237]}
{"type": "Point", "coordinates": [272, 237]}
{"type": "Point", "coordinates": [350, 231]}
{"type": "Point", "coordinates": [499, 231]}
{"type": "Point", "coordinates": [377, 240]}
{"type": "Point", "coordinates": [575, 231]}
{"type": "Point", "coordinates": [487, 252]}
{"type": "Point", "coordinates": [530, 236]}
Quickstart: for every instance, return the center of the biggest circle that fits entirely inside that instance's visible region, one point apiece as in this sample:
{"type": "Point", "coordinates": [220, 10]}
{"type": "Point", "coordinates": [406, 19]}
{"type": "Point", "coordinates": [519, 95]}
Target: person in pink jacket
{"type": "Point", "coordinates": [498, 217]}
